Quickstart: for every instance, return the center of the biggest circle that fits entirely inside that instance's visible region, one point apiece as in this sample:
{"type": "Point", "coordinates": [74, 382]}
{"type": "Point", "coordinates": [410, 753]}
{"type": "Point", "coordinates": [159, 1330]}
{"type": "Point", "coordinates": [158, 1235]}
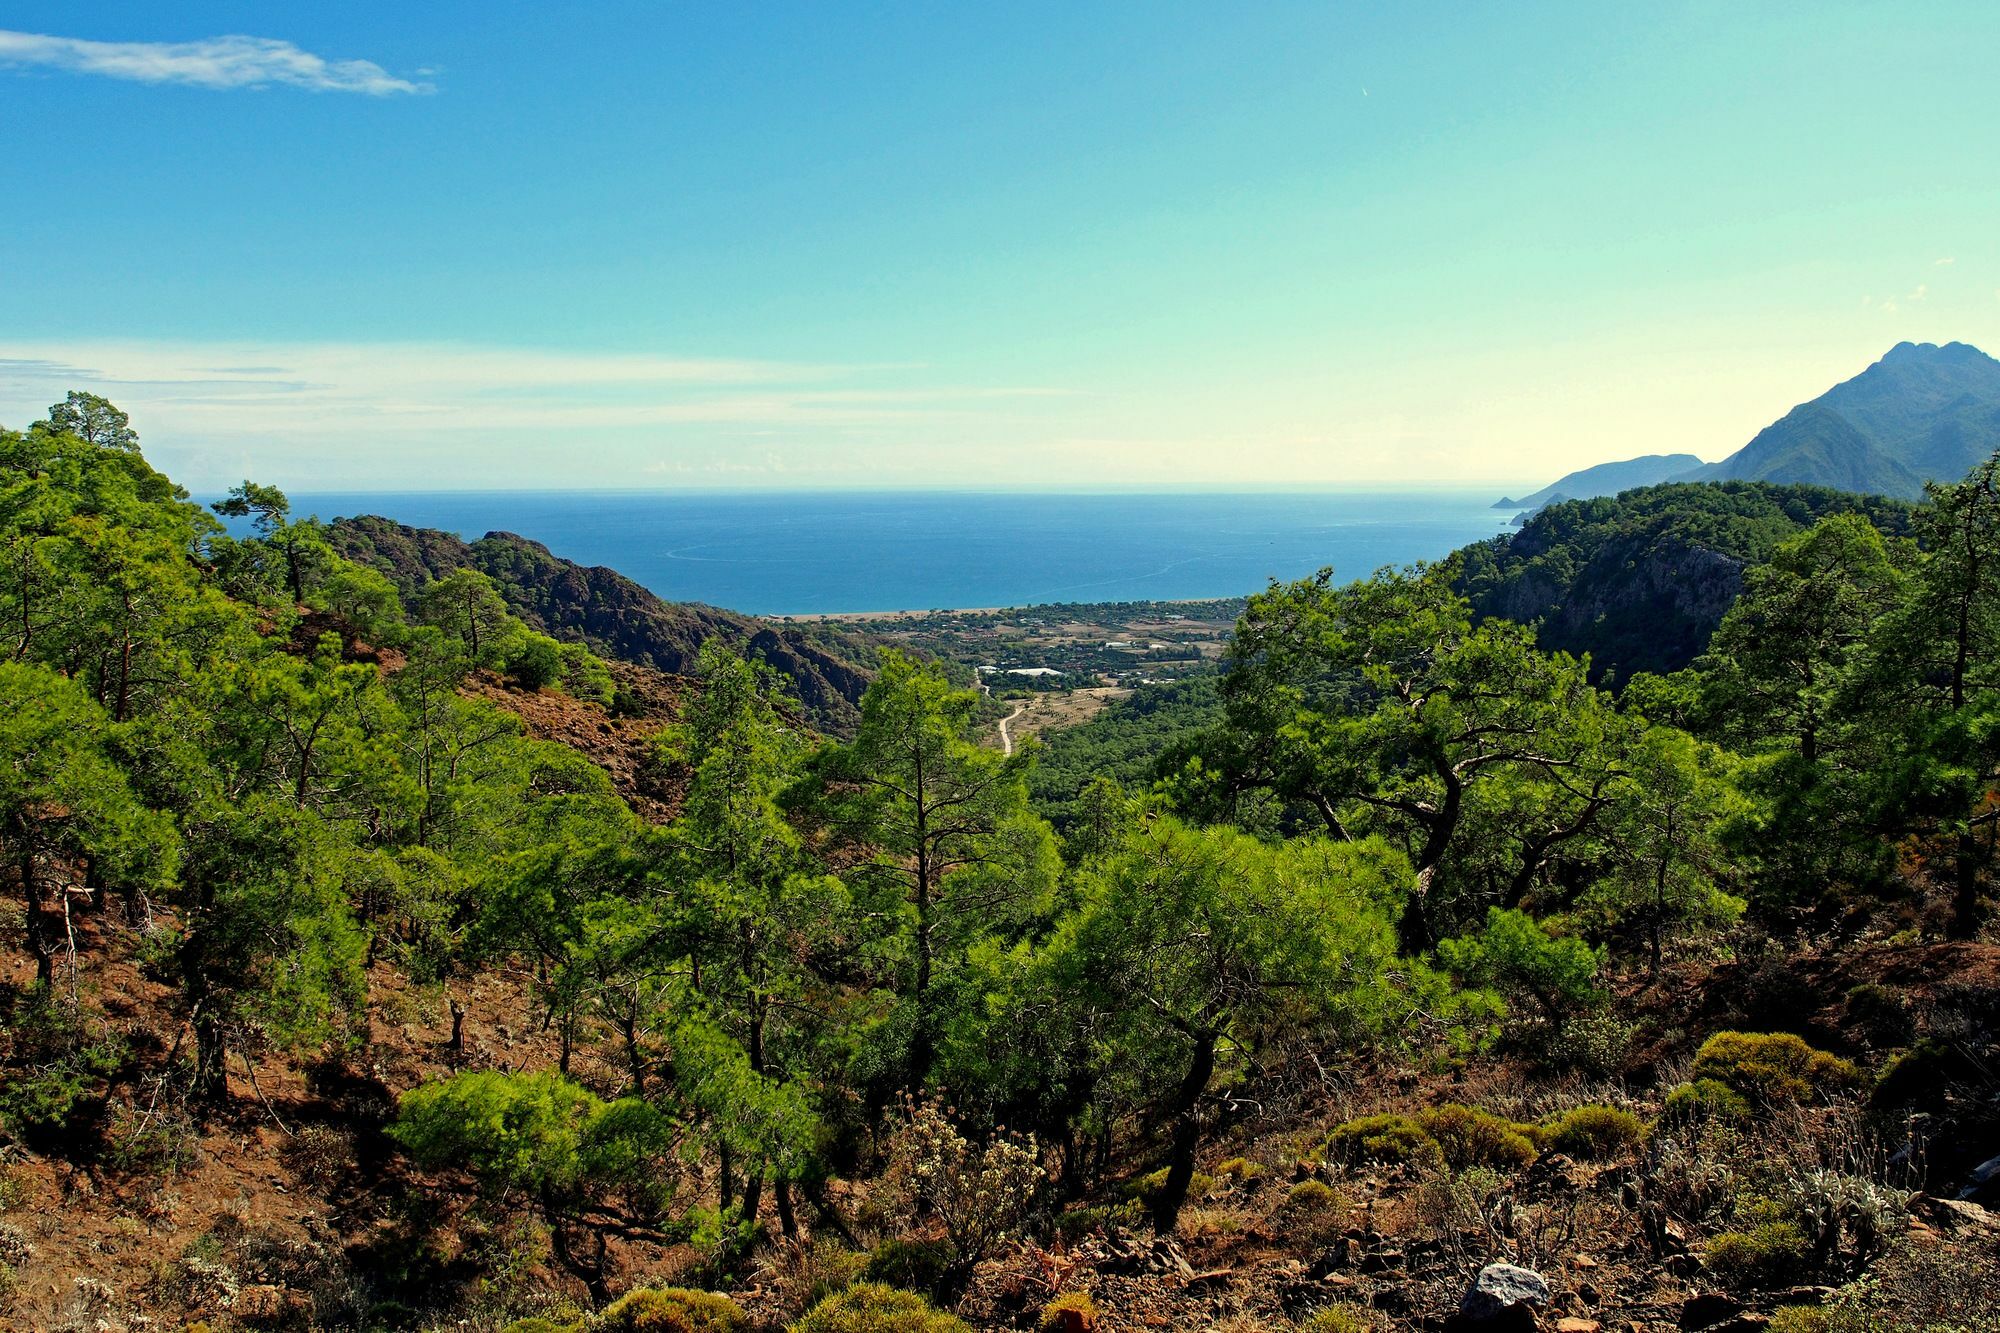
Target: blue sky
{"type": "Point", "coordinates": [1068, 245]}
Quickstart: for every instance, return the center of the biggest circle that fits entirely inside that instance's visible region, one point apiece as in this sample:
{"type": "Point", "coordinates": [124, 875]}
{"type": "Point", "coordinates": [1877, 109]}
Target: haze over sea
{"type": "Point", "coordinates": [805, 553]}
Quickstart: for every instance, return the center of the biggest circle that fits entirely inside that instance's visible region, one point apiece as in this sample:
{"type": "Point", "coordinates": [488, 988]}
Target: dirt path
{"type": "Point", "coordinates": [1006, 736]}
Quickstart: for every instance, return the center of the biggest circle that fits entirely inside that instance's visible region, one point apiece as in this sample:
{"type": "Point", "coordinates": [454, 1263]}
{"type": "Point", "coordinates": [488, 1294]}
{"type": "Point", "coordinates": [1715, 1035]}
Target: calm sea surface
{"type": "Point", "coordinates": [792, 554]}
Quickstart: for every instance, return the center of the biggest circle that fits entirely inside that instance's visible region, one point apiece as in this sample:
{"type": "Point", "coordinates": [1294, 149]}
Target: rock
{"type": "Point", "coordinates": [1984, 1180]}
{"type": "Point", "coordinates": [1574, 1324]}
{"type": "Point", "coordinates": [1502, 1297]}
{"type": "Point", "coordinates": [1709, 1308]}
{"type": "Point", "coordinates": [1957, 1214]}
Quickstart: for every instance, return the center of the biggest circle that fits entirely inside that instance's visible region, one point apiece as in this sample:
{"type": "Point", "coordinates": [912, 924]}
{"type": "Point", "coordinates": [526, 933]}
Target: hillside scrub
{"type": "Point", "coordinates": [332, 998]}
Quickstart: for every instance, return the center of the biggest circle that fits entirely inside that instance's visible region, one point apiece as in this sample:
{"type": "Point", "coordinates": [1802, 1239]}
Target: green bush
{"type": "Point", "coordinates": [1772, 1068]}
{"type": "Point", "coordinates": [1800, 1319]}
{"type": "Point", "coordinates": [1242, 1169]}
{"type": "Point", "coordinates": [670, 1310]}
{"type": "Point", "coordinates": [874, 1308]}
{"type": "Point", "coordinates": [1143, 1188]}
{"type": "Point", "coordinates": [1593, 1132]}
{"type": "Point", "coordinates": [1702, 1102]}
{"type": "Point", "coordinates": [1767, 1255]}
{"type": "Point", "coordinates": [1311, 1194]}
{"type": "Point", "coordinates": [1389, 1138]}
{"type": "Point", "coordinates": [1923, 1076]}
{"type": "Point", "coordinates": [1469, 1136]}
{"type": "Point", "coordinates": [536, 662]}
{"type": "Point", "coordinates": [917, 1265]}
{"type": "Point", "coordinates": [538, 1324]}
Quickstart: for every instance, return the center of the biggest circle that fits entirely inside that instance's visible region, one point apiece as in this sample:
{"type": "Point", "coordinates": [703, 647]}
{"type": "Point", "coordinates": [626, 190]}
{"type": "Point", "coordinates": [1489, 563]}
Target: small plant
{"type": "Point", "coordinates": [1767, 1255]}
{"type": "Point", "coordinates": [1242, 1170]}
{"type": "Point", "coordinates": [1704, 1101]}
{"type": "Point", "coordinates": [1313, 1211]}
{"type": "Point", "coordinates": [1143, 1188]}
{"type": "Point", "coordinates": [1593, 1133]}
{"type": "Point", "coordinates": [671, 1310]}
{"type": "Point", "coordinates": [1772, 1068]}
{"type": "Point", "coordinates": [874, 1308]}
{"type": "Point", "coordinates": [1801, 1319]}
{"type": "Point", "coordinates": [319, 1157]}
{"type": "Point", "coordinates": [1594, 1043]}
{"type": "Point", "coordinates": [1071, 1312]}
{"type": "Point", "coordinates": [913, 1264]}
{"type": "Point", "coordinates": [1341, 1318]}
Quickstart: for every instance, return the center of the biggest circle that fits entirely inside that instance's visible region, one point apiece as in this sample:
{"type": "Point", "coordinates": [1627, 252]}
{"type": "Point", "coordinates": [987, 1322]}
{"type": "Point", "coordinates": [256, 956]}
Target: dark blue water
{"type": "Point", "coordinates": [790, 554]}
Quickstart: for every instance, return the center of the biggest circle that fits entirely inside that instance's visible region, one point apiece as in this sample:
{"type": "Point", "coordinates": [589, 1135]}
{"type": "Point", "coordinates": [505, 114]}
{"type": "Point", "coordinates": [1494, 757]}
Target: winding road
{"type": "Point", "coordinates": [1006, 736]}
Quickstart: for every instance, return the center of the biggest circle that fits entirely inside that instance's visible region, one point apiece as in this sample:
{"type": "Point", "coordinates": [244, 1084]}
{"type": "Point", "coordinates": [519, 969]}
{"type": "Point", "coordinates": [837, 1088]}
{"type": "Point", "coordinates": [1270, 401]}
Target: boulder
{"type": "Point", "coordinates": [1502, 1297]}
{"type": "Point", "coordinates": [1707, 1309]}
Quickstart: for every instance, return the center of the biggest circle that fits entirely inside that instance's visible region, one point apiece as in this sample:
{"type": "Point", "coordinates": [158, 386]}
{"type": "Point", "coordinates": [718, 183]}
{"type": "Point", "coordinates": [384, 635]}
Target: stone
{"type": "Point", "coordinates": [1707, 1309]}
{"type": "Point", "coordinates": [1984, 1180]}
{"type": "Point", "coordinates": [1503, 1296]}
{"type": "Point", "coordinates": [1576, 1324]}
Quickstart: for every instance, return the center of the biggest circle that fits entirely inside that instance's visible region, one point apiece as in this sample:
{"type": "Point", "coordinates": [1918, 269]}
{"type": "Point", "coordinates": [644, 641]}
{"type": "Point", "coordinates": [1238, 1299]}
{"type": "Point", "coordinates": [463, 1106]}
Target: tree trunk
{"type": "Point", "coordinates": [1166, 1208]}
{"type": "Point", "coordinates": [788, 1221]}
{"type": "Point", "coordinates": [1965, 915]}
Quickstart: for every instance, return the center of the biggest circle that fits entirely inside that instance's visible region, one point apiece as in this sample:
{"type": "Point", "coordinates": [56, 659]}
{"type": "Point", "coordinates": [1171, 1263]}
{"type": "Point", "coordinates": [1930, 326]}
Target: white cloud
{"type": "Point", "coordinates": [1920, 293]}
{"type": "Point", "coordinates": [212, 62]}
{"type": "Point", "coordinates": [1949, 259]}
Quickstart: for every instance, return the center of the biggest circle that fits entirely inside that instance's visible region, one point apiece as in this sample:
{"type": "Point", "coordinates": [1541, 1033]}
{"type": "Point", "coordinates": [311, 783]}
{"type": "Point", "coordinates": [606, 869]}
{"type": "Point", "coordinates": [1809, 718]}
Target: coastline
{"type": "Point", "coordinates": [984, 610]}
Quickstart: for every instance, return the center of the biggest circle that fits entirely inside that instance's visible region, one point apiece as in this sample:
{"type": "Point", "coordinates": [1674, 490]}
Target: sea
{"type": "Point", "coordinates": [819, 553]}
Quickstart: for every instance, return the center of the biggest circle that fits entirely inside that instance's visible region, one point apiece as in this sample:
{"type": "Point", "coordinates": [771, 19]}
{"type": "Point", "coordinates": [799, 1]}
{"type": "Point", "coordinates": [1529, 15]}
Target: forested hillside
{"type": "Point", "coordinates": [1430, 985]}
{"type": "Point", "coordinates": [1640, 580]}
{"type": "Point", "coordinates": [827, 668]}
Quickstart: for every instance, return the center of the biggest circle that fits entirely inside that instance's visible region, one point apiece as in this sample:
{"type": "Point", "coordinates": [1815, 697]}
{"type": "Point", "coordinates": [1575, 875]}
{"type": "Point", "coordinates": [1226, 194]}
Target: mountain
{"type": "Point", "coordinates": [1641, 579]}
{"type": "Point", "coordinates": [828, 669]}
{"type": "Point", "coordinates": [1607, 479]}
{"type": "Point", "coordinates": [1921, 413]}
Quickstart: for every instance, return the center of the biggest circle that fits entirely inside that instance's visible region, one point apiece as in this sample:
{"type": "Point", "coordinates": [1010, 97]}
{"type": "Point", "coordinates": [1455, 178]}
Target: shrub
{"type": "Point", "coordinates": [1313, 1211]}
{"type": "Point", "coordinates": [1390, 1139]}
{"type": "Point", "coordinates": [536, 662]}
{"type": "Point", "coordinates": [1593, 1043]}
{"type": "Point", "coordinates": [1765, 1256]}
{"type": "Point", "coordinates": [1143, 1188]}
{"type": "Point", "coordinates": [1703, 1101]}
{"type": "Point", "coordinates": [919, 1265]}
{"type": "Point", "coordinates": [874, 1308]}
{"type": "Point", "coordinates": [1593, 1132]}
{"type": "Point", "coordinates": [1772, 1068]}
{"type": "Point", "coordinates": [540, 1324]}
{"type": "Point", "coordinates": [1242, 1169]}
{"type": "Point", "coordinates": [1311, 1194]}
{"type": "Point", "coordinates": [1471, 1137]}
{"type": "Point", "coordinates": [671, 1310]}
{"type": "Point", "coordinates": [1071, 1312]}
{"type": "Point", "coordinates": [1880, 1014]}
{"type": "Point", "coordinates": [979, 1193]}
{"type": "Point", "coordinates": [1923, 1076]}
{"type": "Point", "coordinates": [1339, 1319]}
{"type": "Point", "coordinates": [1800, 1319]}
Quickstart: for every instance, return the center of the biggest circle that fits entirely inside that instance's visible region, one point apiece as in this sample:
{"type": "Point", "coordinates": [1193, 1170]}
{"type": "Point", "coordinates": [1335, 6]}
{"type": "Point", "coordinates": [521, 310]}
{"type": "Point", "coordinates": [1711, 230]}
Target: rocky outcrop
{"type": "Point", "coordinates": [614, 616]}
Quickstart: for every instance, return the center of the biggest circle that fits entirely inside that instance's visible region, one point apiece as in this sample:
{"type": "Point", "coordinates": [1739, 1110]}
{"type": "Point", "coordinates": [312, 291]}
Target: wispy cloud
{"type": "Point", "coordinates": [436, 411]}
{"type": "Point", "coordinates": [1948, 259]}
{"type": "Point", "coordinates": [212, 62]}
